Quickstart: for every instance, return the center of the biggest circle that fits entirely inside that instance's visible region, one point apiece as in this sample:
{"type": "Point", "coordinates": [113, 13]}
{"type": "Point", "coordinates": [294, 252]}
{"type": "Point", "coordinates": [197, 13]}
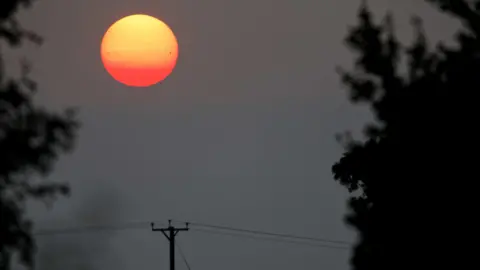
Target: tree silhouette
{"type": "Point", "coordinates": [411, 180]}
{"type": "Point", "coordinates": [31, 139]}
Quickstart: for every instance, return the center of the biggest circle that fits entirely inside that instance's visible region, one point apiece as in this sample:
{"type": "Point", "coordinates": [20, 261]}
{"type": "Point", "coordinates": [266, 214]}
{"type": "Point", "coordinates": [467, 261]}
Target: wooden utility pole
{"type": "Point", "coordinates": [172, 232]}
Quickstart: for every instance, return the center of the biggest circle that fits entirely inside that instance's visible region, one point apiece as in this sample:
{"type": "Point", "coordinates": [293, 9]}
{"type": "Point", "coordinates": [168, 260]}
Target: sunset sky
{"type": "Point", "coordinates": [241, 134]}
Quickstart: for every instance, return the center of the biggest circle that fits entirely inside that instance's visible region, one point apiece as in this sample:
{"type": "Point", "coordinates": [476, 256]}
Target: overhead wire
{"type": "Point", "coordinates": [93, 228]}
{"type": "Point", "coordinates": [182, 255]}
{"type": "Point", "coordinates": [206, 228]}
{"type": "Point", "coordinates": [258, 232]}
{"type": "Point", "coordinates": [280, 240]}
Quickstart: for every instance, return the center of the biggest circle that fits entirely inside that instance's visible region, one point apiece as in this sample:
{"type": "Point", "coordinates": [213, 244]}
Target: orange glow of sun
{"type": "Point", "coordinates": [139, 50]}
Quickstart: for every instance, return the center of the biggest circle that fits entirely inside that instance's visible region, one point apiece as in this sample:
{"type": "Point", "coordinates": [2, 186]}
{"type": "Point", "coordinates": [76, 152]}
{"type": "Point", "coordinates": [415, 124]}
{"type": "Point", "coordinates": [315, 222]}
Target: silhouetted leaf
{"type": "Point", "coordinates": [31, 140]}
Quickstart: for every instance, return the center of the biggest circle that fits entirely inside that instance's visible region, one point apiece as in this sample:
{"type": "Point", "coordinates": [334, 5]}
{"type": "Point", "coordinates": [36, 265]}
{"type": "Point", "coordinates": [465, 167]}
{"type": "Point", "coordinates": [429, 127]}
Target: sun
{"type": "Point", "coordinates": [139, 50]}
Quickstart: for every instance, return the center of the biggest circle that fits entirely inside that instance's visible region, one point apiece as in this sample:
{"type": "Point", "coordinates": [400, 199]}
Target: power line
{"type": "Point", "coordinates": [258, 232]}
{"type": "Point", "coordinates": [270, 239]}
{"type": "Point", "coordinates": [94, 228]}
{"type": "Point", "coordinates": [213, 229]}
{"type": "Point", "coordinates": [183, 256]}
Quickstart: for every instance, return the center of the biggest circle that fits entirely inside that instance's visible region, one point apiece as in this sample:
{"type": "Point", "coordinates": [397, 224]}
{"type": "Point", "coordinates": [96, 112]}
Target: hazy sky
{"type": "Point", "coordinates": [241, 134]}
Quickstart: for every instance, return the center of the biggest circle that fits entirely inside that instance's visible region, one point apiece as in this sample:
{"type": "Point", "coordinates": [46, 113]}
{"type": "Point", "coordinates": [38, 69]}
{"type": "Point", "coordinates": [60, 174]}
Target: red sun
{"type": "Point", "coordinates": [139, 50]}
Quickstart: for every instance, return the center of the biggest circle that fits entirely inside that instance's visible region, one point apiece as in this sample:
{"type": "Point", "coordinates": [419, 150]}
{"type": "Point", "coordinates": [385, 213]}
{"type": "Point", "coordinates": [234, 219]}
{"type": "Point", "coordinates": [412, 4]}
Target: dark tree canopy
{"type": "Point", "coordinates": [31, 139]}
{"type": "Point", "coordinates": [411, 180]}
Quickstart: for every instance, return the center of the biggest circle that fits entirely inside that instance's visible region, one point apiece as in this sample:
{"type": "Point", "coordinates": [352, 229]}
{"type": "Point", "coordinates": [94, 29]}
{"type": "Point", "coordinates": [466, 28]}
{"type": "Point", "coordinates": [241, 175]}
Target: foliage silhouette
{"type": "Point", "coordinates": [31, 139]}
{"type": "Point", "coordinates": [411, 180]}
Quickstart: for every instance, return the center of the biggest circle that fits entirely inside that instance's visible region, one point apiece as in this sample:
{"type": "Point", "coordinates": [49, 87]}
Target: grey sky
{"type": "Point", "coordinates": [241, 134]}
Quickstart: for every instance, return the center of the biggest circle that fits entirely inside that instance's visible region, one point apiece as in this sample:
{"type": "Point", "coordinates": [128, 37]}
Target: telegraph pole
{"type": "Point", "coordinates": [172, 232]}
